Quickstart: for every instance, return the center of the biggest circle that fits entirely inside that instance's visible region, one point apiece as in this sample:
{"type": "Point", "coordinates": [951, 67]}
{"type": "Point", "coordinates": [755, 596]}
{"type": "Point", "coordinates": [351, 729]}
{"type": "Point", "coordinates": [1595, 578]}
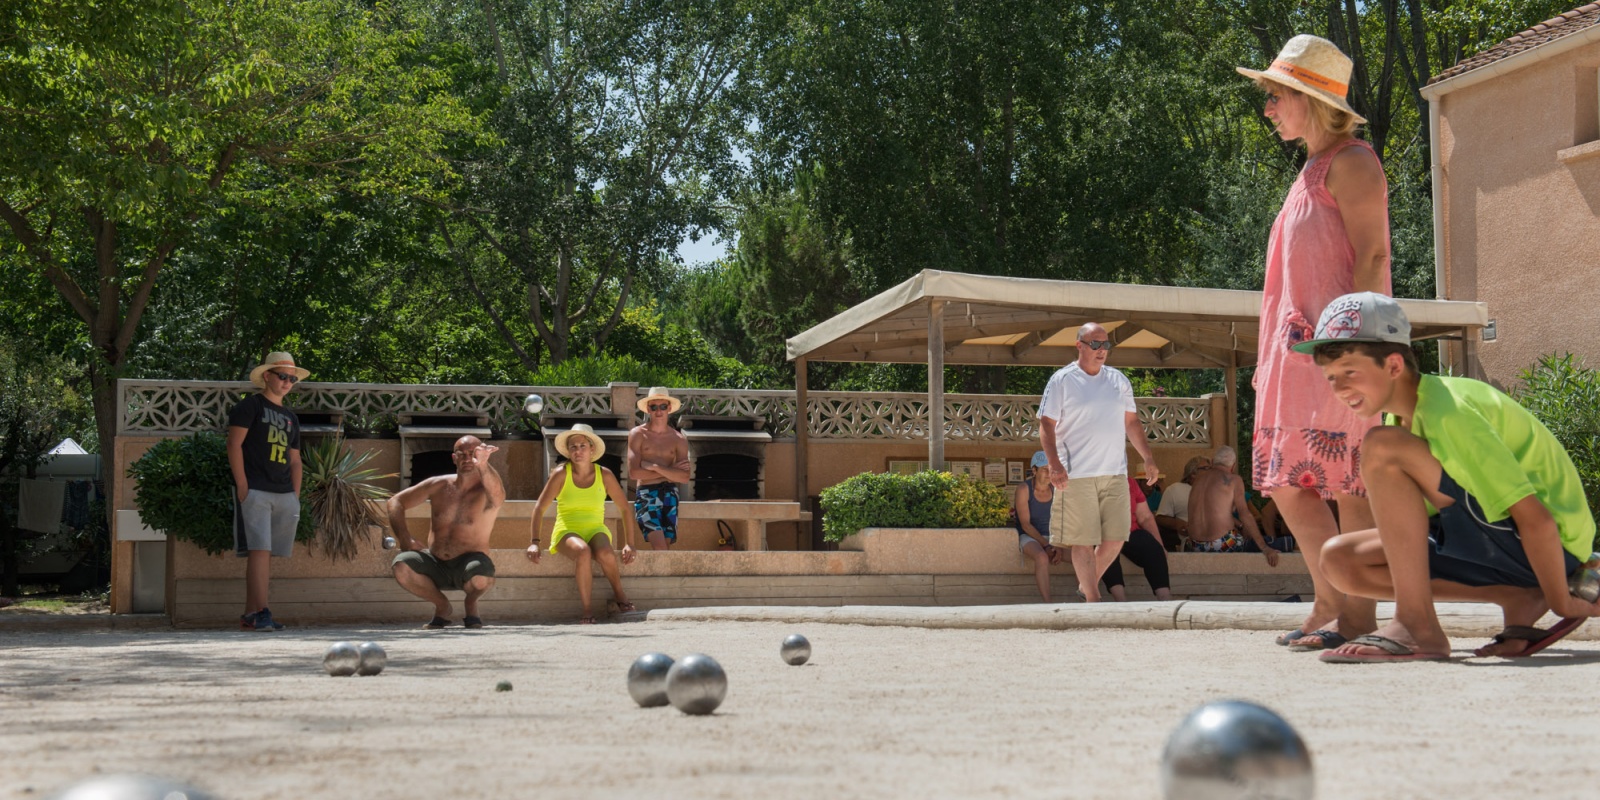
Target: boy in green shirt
{"type": "Point", "coordinates": [1475, 499]}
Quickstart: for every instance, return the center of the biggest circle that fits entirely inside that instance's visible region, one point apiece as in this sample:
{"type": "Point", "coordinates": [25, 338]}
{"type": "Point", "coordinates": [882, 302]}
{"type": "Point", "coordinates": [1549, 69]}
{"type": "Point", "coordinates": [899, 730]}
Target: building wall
{"type": "Point", "coordinates": [1521, 209]}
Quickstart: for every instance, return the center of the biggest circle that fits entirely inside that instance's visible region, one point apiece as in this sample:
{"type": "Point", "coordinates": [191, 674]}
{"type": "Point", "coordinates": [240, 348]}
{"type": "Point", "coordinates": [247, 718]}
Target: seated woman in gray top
{"type": "Point", "coordinates": [1031, 506]}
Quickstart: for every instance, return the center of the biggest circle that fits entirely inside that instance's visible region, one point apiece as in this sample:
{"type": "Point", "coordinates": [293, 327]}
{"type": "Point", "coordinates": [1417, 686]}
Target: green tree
{"type": "Point", "coordinates": [615, 126]}
{"type": "Point", "coordinates": [125, 123]}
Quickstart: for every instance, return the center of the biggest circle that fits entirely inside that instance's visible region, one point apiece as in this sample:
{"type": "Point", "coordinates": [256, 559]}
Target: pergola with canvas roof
{"type": "Point", "coordinates": [940, 318]}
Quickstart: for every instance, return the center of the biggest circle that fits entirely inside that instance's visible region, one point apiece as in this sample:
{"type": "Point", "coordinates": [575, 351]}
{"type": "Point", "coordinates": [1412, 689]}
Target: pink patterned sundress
{"type": "Point", "coordinates": [1305, 437]}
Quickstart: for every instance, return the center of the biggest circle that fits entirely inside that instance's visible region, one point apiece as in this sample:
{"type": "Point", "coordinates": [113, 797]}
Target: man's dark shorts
{"type": "Point", "coordinates": [655, 506]}
{"type": "Point", "coordinates": [1467, 550]}
{"type": "Point", "coordinates": [452, 574]}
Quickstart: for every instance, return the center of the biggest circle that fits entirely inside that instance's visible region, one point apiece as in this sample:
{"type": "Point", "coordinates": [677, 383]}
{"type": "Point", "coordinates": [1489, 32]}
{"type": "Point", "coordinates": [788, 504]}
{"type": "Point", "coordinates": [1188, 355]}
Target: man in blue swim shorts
{"type": "Point", "coordinates": [658, 460]}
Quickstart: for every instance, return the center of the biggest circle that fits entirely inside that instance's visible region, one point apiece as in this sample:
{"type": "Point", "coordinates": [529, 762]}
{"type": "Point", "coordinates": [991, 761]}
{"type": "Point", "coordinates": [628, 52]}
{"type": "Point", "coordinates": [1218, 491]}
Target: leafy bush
{"type": "Point", "coordinates": [1565, 396]}
{"type": "Point", "coordinates": [602, 369]}
{"type": "Point", "coordinates": [925, 499]}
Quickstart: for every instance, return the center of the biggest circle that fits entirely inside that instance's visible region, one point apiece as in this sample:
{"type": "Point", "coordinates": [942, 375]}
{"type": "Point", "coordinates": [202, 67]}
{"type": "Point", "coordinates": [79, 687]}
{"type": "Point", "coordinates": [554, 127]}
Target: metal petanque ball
{"type": "Point", "coordinates": [795, 650]}
{"type": "Point", "coordinates": [1232, 749]}
{"type": "Point", "coordinates": [533, 405]}
{"type": "Point", "coordinates": [129, 787]}
{"type": "Point", "coordinates": [696, 684]}
{"type": "Point", "coordinates": [373, 659]}
{"type": "Point", "coordinates": [389, 543]}
{"type": "Point", "coordinates": [342, 659]}
{"type": "Point", "coordinates": [647, 679]}
{"type": "Point", "coordinates": [1585, 584]}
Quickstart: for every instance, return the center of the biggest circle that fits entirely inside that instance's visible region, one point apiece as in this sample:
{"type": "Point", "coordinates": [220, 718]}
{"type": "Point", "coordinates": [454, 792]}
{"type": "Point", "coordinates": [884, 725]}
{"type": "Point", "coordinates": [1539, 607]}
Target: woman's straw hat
{"type": "Point", "coordinates": [586, 432]}
{"type": "Point", "coordinates": [278, 360]}
{"type": "Point", "coordinates": [1313, 65]}
{"type": "Point", "coordinates": [659, 393]}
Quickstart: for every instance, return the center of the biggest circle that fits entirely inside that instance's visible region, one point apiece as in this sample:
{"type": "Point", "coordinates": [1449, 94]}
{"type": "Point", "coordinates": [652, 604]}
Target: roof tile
{"type": "Point", "coordinates": [1545, 32]}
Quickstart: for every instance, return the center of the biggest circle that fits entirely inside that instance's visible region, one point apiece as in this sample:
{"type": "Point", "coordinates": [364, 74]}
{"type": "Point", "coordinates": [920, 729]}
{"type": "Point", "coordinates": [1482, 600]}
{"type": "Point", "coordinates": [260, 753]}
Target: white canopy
{"type": "Point", "coordinates": [1034, 321]}
{"type": "Point", "coordinates": [942, 318]}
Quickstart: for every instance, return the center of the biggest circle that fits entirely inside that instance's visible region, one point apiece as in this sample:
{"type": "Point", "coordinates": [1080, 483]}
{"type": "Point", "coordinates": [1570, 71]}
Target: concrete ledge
{"type": "Point", "coordinates": [1459, 619]}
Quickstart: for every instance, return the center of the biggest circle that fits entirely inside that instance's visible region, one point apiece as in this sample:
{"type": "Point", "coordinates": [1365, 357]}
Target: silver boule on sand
{"type": "Point", "coordinates": [696, 684]}
{"type": "Point", "coordinates": [341, 659]}
{"type": "Point", "coordinates": [795, 650]}
{"type": "Point", "coordinates": [647, 679]}
{"type": "Point", "coordinates": [1232, 749]}
{"type": "Point", "coordinates": [372, 658]}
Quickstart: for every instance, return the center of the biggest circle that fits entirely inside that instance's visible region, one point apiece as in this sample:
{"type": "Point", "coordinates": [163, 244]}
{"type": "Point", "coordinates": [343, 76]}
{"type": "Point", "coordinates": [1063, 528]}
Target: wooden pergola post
{"type": "Point", "coordinates": [936, 384]}
{"type": "Point", "coordinates": [1230, 426]}
{"type": "Point", "coordinates": [802, 448]}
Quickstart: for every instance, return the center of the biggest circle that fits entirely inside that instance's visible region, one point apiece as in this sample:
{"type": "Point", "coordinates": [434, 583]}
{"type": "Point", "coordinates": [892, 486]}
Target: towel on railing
{"type": "Point", "coordinates": [39, 505]}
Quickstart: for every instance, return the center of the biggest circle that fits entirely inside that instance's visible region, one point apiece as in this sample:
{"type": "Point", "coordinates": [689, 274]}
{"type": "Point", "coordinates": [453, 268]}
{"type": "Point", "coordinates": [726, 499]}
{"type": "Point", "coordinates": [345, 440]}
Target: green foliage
{"type": "Point", "coordinates": [337, 491]}
{"type": "Point", "coordinates": [603, 369]}
{"type": "Point", "coordinates": [928, 499]}
{"type": "Point", "coordinates": [1565, 396]}
{"type": "Point", "coordinates": [185, 488]}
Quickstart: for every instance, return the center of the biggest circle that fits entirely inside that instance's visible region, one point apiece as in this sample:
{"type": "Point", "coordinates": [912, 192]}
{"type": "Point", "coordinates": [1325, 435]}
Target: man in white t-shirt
{"type": "Point", "coordinates": [1086, 413]}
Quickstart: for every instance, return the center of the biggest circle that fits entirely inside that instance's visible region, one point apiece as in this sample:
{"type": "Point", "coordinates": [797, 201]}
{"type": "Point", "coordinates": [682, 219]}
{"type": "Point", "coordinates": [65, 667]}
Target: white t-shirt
{"type": "Point", "coordinates": [1088, 410]}
{"type": "Point", "coordinates": [1175, 502]}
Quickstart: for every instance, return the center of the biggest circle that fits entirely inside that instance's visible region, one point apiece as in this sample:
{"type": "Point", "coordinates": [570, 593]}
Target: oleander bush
{"type": "Point", "coordinates": [927, 499]}
{"type": "Point", "coordinates": [1565, 396]}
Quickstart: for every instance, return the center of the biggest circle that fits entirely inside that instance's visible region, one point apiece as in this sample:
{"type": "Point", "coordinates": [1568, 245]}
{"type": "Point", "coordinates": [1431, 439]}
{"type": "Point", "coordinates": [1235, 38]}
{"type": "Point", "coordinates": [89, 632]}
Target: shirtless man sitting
{"type": "Point", "coordinates": [1217, 495]}
{"type": "Point", "coordinates": [464, 509]}
{"type": "Point", "coordinates": [658, 460]}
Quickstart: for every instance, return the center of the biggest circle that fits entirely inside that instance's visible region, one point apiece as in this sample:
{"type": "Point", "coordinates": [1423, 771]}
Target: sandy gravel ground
{"type": "Point", "coordinates": [879, 712]}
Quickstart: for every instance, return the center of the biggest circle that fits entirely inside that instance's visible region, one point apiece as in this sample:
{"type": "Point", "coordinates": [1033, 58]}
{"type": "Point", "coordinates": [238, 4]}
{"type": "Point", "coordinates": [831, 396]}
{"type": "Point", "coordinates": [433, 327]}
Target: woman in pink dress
{"type": "Point", "coordinates": [1330, 238]}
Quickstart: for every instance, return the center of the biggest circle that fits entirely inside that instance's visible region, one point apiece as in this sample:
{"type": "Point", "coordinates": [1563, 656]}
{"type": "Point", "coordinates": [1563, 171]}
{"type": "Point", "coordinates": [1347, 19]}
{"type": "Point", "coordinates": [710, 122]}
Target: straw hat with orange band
{"type": "Point", "coordinates": [1314, 66]}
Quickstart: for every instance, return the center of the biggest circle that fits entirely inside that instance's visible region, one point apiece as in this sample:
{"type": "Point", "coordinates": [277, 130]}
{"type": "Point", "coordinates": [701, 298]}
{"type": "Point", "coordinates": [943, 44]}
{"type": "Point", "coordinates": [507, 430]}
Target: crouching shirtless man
{"type": "Point", "coordinates": [465, 506]}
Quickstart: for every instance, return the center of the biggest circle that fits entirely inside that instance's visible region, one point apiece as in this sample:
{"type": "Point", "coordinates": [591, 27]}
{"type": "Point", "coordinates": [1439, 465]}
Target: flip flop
{"type": "Point", "coordinates": [1326, 640]}
{"type": "Point", "coordinates": [472, 622]}
{"type": "Point", "coordinates": [625, 608]}
{"type": "Point", "coordinates": [1537, 638]}
{"type": "Point", "coordinates": [1393, 651]}
{"type": "Point", "coordinates": [436, 623]}
{"type": "Point", "coordinates": [586, 620]}
{"type": "Point", "coordinates": [1284, 640]}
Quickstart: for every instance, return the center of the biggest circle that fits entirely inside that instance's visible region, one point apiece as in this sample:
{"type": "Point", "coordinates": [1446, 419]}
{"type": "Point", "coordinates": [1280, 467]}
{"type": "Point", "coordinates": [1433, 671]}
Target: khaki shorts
{"type": "Point", "coordinates": [1091, 511]}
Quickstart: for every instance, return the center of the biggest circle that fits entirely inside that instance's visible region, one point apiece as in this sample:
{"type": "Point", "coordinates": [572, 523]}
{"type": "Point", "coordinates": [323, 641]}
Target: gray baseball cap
{"type": "Point", "coordinates": [1360, 317]}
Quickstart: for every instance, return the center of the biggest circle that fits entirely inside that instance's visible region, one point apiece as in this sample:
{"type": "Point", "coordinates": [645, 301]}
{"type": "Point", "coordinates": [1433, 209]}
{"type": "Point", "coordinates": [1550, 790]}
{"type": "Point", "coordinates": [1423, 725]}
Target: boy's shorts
{"type": "Point", "coordinates": [1468, 550]}
{"type": "Point", "coordinates": [265, 521]}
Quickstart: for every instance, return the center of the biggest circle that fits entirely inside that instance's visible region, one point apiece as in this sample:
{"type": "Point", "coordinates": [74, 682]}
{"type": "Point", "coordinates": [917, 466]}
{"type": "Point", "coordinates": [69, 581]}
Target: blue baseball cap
{"type": "Point", "coordinates": [1040, 459]}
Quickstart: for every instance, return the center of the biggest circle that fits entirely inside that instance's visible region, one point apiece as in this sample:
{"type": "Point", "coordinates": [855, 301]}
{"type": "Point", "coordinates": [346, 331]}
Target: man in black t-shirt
{"type": "Point", "coordinates": [264, 455]}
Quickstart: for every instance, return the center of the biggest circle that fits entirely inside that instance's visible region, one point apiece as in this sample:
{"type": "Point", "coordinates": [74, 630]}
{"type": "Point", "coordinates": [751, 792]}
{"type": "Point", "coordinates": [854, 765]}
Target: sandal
{"type": "Point", "coordinates": [436, 623]}
{"type": "Point", "coordinates": [625, 608]}
{"type": "Point", "coordinates": [586, 619]}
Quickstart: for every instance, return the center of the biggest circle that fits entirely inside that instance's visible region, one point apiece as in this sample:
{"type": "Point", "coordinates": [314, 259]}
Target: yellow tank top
{"type": "Point", "coordinates": [580, 509]}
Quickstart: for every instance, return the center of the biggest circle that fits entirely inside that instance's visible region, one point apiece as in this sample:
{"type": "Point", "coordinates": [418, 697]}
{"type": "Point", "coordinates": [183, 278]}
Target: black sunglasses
{"type": "Point", "coordinates": [290, 378]}
{"type": "Point", "coordinates": [1105, 345]}
{"type": "Point", "coordinates": [659, 406]}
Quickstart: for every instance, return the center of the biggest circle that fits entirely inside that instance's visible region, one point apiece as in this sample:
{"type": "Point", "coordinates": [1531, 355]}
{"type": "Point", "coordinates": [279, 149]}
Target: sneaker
{"type": "Point", "coordinates": [265, 622]}
{"type": "Point", "coordinates": [247, 622]}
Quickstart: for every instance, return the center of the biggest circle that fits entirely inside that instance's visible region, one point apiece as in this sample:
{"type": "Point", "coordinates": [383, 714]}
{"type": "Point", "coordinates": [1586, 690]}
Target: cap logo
{"type": "Point", "coordinates": [1341, 319]}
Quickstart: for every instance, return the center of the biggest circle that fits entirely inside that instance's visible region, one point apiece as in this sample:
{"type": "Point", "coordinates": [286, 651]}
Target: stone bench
{"type": "Point", "coordinates": [882, 567]}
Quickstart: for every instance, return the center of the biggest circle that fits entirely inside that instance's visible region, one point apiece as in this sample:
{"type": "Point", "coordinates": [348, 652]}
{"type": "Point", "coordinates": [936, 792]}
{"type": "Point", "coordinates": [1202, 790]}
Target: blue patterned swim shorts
{"type": "Point", "coordinates": [655, 506]}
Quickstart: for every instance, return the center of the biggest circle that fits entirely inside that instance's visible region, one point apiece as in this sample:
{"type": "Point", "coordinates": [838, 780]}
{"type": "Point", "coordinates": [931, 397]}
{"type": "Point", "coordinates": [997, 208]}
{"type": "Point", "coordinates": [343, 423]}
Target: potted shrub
{"type": "Point", "coordinates": [336, 496]}
{"type": "Point", "coordinates": [928, 499]}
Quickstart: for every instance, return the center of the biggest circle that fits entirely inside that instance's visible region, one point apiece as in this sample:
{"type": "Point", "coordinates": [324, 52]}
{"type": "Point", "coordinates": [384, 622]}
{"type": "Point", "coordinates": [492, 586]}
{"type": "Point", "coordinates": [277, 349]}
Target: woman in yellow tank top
{"type": "Point", "coordinates": [579, 489]}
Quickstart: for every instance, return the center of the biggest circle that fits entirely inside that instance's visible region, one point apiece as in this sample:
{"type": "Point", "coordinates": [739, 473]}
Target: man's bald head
{"type": "Point", "coordinates": [1225, 457]}
{"type": "Point", "coordinates": [1088, 331]}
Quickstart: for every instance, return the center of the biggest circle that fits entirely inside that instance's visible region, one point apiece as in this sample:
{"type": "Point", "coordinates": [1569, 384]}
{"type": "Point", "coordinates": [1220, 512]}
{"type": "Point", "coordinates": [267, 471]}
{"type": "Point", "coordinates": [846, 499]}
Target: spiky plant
{"type": "Point", "coordinates": [338, 492]}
